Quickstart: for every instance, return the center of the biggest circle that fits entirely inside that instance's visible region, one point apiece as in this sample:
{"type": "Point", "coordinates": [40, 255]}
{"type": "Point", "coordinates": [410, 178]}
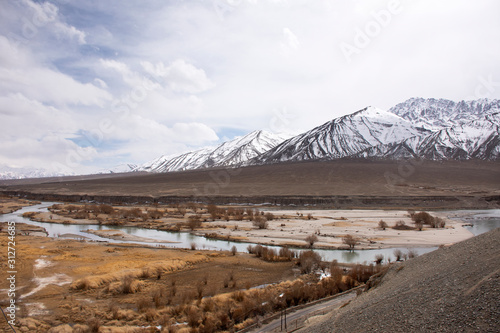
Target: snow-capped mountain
{"type": "Point", "coordinates": [436, 114]}
{"type": "Point", "coordinates": [478, 139]}
{"type": "Point", "coordinates": [22, 173]}
{"type": "Point", "coordinates": [120, 168]}
{"type": "Point", "coordinates": [233, 152]}
{"type": "Point", "coordinates": [434, 129]}
{"type": "Point", "coordinates": [343, 137]}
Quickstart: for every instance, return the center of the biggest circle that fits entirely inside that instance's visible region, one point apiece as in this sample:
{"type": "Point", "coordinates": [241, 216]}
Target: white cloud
{"type": "Point", "coordinates": [69, 32]}
{"type": "Point", "coordinates": [19, 72]}
{"type": "Point", "coordinates": [46, 15]}
{"type": "Point", "coordinates": [190, 70]}
{"type": "Point", "coordinates": [180, 76]}
{"type": "Point", "coordinates": [43, 12]}
{"type": "Point", "coordinates": [101, 83]}
{"type": "Point", "coordinates": [194, 133]}
{"type": "Point", "coordinates": [291, 41]}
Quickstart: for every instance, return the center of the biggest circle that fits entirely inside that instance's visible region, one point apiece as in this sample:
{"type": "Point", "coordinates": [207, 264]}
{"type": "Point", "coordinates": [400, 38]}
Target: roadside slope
{"type": "Point", "coordinates": [453, 289]}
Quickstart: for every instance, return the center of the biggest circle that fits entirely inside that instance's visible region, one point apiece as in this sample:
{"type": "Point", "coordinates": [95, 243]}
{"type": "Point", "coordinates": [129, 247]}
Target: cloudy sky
{"type": "Point", "coordinates": [87, 85]}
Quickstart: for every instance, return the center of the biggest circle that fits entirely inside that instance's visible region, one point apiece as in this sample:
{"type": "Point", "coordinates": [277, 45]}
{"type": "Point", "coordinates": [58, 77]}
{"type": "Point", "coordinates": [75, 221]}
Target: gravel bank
{"type": "Point", "coordinates": [453, 289]}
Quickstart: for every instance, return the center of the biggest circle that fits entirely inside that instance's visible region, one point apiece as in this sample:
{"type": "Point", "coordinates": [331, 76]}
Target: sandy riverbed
{"type": "Point", "coordinates": [331, 225]}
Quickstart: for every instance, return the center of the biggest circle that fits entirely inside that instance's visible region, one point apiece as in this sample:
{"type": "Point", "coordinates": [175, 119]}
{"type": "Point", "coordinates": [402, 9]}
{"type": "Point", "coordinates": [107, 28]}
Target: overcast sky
{"type": "Point", "coordinates": [86, 85]}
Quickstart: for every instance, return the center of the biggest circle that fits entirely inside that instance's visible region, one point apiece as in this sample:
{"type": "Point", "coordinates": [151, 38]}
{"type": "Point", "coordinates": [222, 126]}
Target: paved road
{"type": "Point", "coordinates": [293, 317]}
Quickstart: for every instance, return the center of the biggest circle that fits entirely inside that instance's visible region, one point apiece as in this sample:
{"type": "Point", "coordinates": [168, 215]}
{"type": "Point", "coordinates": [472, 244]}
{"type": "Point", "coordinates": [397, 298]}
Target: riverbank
{"type": "Point", "coordinates": [10, 204]}
{"type": "Point", "coordinates": [69, 282]}
{"type": "Point", "coordinates": [331, 226]}
{"type": "Point", "coordinates": [323, 229]}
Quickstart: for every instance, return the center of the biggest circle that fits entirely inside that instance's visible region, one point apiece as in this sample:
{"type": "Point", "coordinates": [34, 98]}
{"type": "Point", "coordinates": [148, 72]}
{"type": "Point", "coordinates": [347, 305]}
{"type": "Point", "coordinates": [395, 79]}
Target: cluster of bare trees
{"type": "Point", "coordinates": [419, 219]}
{"type": "Point", "coordinates": [270, 254]}
{"type": "Point", "coordinates": [424, 218]}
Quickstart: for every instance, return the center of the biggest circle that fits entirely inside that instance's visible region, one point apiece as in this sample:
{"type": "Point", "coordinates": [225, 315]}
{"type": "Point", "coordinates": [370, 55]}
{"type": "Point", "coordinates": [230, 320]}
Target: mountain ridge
{"type": "Point", "coordinates": [435, 129]}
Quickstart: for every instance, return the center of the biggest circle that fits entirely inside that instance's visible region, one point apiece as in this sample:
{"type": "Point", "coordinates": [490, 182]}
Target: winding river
{"type": "Point", "coordinates": [480, 220]}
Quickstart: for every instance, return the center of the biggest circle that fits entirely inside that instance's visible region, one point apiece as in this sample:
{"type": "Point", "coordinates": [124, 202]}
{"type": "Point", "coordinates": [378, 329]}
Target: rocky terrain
{"type": "Point", "coordinates": [453, 289]}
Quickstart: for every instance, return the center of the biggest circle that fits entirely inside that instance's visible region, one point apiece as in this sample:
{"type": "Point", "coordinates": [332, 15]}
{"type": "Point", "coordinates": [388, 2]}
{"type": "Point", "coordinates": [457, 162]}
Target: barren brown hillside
{"type": "Point", "coordinates": [343, 183]}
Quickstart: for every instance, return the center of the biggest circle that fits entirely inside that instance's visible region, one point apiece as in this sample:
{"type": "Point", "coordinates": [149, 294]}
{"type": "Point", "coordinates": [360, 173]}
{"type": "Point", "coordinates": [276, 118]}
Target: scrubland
{"type": "Point", "coordinates": [102, 287]}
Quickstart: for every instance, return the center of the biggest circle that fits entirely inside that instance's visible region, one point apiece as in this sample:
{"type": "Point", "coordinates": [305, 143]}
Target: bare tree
{"type": "Point", "coordinates": [260, 222]}
{"type": "Point", "coordinates": [194, 221]}
{"type": "Point", "coordinates": [382, 224]}
{"type": "Point", "coordinates": [350, 241]}
{"type": "Point", "coordinates": [398, 254]}
{"type": "Point", "coordinates": [311, 239]}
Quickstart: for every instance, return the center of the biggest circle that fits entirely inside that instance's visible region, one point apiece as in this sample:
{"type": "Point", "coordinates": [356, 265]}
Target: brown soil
{"type": "Point", "coordinates": [343, 183]}
{"type": "Point", "coordinates": [9, 204]}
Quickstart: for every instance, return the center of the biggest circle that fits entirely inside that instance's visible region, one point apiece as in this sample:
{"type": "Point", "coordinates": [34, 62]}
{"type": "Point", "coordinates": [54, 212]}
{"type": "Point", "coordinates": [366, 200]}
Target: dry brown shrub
{"type": "Point", "coordinates": [361, 273]}
{"type": "Point", "coordinates": [210, 323]}
{"type": "Point", "coordinates": [94, 324]}
{"type": "Point", "coordinates": [114, 311]}
{"type": "Point", "coordinates": [238, 296]}
{"type": "Point", "coordinates": [260, 222]}
{"type": "Point", "coordinates": [422, 217]}
{"type": "Point", "coordinates": [309, 261]}
{"type": "Point", "coordinates": [81, 284]}
{"type": "Point", "coordinates": [106, 209]}
{"type": "Point", "coordinates": [412, 254]}
{"type": "Point", "coordinates": [401, 225]}
{"type": "Point", "coordinates": [158, 297]}
{"type": "Point", "coordinates": [150, 315]}
{"type": "Point", "coordinates": [144, 304]}
{"type": "Point", "coordinates": [194, 221]}
{"type": "Point", "coordinates": [382, 224]}
{"type": "Point", "coordinates": [311, 239]}
{"type": "Point", "coordinates": [199, 290]}
{"type": "Point", "coordinates": [193, 315]}
{"type": "Point", "coordinates": [398, 254]}
{"type": "Point", "coordinates": [269, 216]}
{"type": "Point", "coordinates": [130, 286]}
{"type": "Point", "coordinates": [208, 305]}
{"type": "Point", "coordinates": [145, 273]}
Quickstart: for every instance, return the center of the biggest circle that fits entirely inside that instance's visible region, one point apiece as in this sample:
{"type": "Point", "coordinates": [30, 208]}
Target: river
{"type": "Point", "coordinates": [481, 221]}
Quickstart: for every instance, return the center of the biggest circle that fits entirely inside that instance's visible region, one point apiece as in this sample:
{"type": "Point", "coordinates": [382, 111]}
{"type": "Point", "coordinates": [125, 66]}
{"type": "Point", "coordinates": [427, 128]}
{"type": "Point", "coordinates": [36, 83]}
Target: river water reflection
{"type": "Point", "coordinates": [481, 221]}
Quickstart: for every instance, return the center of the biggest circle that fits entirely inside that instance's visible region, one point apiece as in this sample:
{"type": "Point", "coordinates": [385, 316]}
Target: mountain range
{"type": "Point", "coordinates": [229, 153]}
{"type": "Point", "coordinates": [433, 129]}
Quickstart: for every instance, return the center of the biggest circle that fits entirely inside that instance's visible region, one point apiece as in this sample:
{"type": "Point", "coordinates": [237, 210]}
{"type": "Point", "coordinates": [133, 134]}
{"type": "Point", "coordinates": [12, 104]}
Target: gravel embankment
{"type": "Point", "coordinates": [453, 289]}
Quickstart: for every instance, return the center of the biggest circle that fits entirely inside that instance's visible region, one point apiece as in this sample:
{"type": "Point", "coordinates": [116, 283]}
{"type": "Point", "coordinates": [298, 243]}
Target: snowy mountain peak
{"type": "Point", "coordinates": [121, 168]}
{"type": "Point", "coordinates": [435, 114]}
{"type": "Point", "coordinates": [229, 153]}
{"type": "Point", "coordinates": [342, 137]}
{"type": "Point", "coordinates": [429, 128]}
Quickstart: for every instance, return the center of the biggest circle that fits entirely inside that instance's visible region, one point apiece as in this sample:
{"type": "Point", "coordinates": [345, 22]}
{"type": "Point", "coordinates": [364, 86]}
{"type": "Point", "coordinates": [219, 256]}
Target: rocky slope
{"type": "Point", "coordinates": [476, 139]}
{"type": "Point", "coordinates": [453, 289]}
{"type": "Point", "coordinates": [436, 114]}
